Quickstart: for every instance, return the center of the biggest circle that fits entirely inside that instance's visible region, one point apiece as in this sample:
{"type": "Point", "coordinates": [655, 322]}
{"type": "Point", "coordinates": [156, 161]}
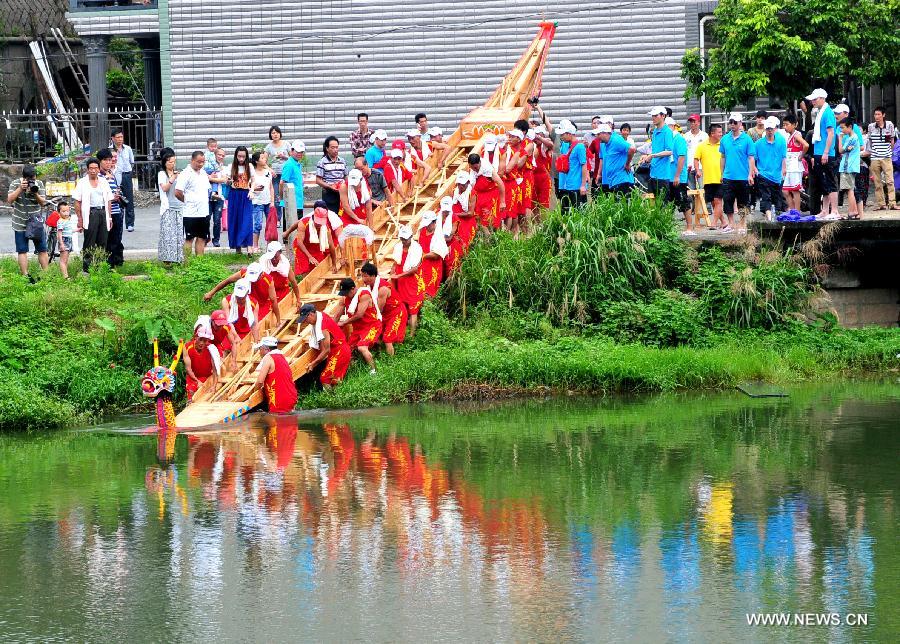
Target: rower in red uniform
{"type": "Point", "coordinates": [393, 311]}
{"type": "Point", "coordinates": [493, 159]}
{"type": "Point", "coordinates": [274, 377]}
{"type": "Point", "coordinates": [316, 238]}
{"type": "Point", "coordinates": [450, 230]}
{"type": "Point", "coordinates": [361, 321]}
{"type": "Point", "coordinates": [543, 157]}
{"type": "Point", "coordinates": [396, 175]}
{"type": "Point", "coordinates": [224, 336]}
{"type": "Point", "coordinates": [406, 275]}
{"type": "Point", "coordinates": [434, 250]}
{"type": "Point", "coordinates": [488, 190]}
{"type": "Point", "coordinates": [417, 157]}
{"type": "Point", "coordinates": [202, 360]}
{"type": "Point", "coordinates": [240, 310]}
{"type": "Point", "coordinates": [328, 339]}
{"type": "Point", "coordinates": [356, 200]}
{"type": "Point", "coordinates": [436, 146]}
{"type": "Point", "coordinates": [261, 289]}
{"type": "Point", "coordinates": [278, 268]}
{"type": "Point", "coordinates": [464, 209]}
{"type": "Point", "coordinates": [514, 179]}
{"type": "Point", "coordinates": [526, 152]}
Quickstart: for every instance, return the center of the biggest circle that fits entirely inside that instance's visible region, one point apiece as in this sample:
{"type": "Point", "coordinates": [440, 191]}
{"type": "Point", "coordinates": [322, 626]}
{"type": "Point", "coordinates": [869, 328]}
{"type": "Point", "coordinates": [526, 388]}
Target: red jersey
{"type": "Point", "coordinates": [281, 283]}
{"type": "Point", "coordinates": [338, 356]}
{"type": "Point", "coordinates": [432, 270]}
{"type": "Point", "coordinates": [279, 389]}
{"type": "Point", "coordinates": [201, 361]}
{"type": "Point", "coordinates": [411, 288]}
{"type": "Point", "coordinates": [220, 338]}
{"type": "Point", "coordinates": [391, 174]}
{"type": "Point", "coordinates": [394, 315]}
{"type": "Point", "coordinates": [465, 231]}
{"type": "Point", "coordinates": [359, 211]}
{"type": "Point", "coordinates": [302, 264]}
{"type": "Point", "coordinates": [259, 293]}
{"type": "Point", "coordinates": [487, 200]}
{"type": "Point", "coordinates": [241, 325]}
{"type": "Point", "coordinates": [365, 331]}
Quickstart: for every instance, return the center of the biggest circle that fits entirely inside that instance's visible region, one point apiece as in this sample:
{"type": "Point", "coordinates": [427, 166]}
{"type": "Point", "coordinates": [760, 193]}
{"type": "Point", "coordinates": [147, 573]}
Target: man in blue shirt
{"type": "Point", "coordinates": [824, 141]}
{"type": "Point", "coordinates": [680, 176]}
{"type": "Point", "coordinates": [771, 165]}
{"type": "Point", "coordinates": [615, 155]}
{"type": "Point", "coordinates": [662, 162]}
{"type": "Point", "coordinates": [850, 145]}
{"type": "Point", "coordinates": [292, 173]}
{"type": "Point", "coordinates": [375, 153]}
{"type": "Point", "coordinates": [738, 170]}
{"type": "Point", "coordinates": [573, 184]}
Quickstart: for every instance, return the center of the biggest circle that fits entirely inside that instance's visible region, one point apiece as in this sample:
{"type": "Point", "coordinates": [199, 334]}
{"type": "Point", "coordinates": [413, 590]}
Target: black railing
{"type": "Point", "coordinates": [93, 5]}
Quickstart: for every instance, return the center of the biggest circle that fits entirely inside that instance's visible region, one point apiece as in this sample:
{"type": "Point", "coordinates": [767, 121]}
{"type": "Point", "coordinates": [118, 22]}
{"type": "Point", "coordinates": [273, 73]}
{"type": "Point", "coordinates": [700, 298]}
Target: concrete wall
{"type": "Point", "coordinates": [858, 307]}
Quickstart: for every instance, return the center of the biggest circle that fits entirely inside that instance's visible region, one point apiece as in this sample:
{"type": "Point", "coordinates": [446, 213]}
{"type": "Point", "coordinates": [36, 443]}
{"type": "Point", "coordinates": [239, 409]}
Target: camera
{"type": "Point", "coordinates": [33, 189]}
{"type": "Point", "coordinates": [533, 100]}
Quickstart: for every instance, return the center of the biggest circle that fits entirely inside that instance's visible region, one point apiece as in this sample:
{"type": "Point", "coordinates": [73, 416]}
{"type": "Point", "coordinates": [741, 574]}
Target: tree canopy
{"type": "Point", "coordinates": [784, 48]}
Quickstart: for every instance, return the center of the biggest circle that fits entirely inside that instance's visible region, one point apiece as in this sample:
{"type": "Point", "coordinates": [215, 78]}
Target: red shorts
{"type": "Point", "coordinates": [191, 386]}
{"type": "Point", "coordinates": [394, 330]}
{"type": "Point", "coordinates": [364, 334]}
{"type": "Point", "coordinates": [527, 187]}
{"type": "Point", "coordinates": [336, 365]}
{"type": "Point", "coordinates": [541, 191]}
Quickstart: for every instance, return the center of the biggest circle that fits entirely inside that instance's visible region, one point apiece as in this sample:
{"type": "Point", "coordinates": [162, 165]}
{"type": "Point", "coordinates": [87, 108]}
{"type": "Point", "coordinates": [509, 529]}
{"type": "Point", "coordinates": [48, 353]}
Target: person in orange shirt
{"type": "Point", "coordinates": [329, 340]}
{"type": "Point", "coordinates": [361, 320]}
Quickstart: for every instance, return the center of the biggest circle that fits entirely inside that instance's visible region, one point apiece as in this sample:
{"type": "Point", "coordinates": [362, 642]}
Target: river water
{"type": "Point", "coordinates": [655, 519]}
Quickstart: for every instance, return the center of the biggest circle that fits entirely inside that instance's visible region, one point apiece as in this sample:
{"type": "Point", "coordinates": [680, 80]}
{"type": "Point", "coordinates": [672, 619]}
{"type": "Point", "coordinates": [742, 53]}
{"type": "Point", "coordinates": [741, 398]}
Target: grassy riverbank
{"type": "Point", "coordinates": [605, 300]}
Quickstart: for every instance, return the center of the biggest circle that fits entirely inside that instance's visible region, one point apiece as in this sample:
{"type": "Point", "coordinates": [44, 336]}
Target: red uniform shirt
{"type": "Point", "coordinates": [411, 288]}
{"type": "Point", "coordinates": [280, 392]}
{"type": "Point", "coordinates": [394, 315]}
{"type": "Point", "coordinates": [391, 172]}
{"type": "Point", "coordinates": [365, 331]}
{"type": "Point", "coordinates": [241, 325]}
{"type": "Point", "coordinates": [220, 338]}
{"type": "Point", "coordinates": [281, 283]}
{"type": "Point", "coordinates": [339, 354]}
{"type": "Point", "coordinates": [259, 293]}
{"type": "Point", "coordinates": [487, 201]}
{"type": "Point", "coordinates": [302, 264]}
{"type": "Point", "coordinates": [359, 211]}
{"type": "Point", "coordinates": [432, 270]}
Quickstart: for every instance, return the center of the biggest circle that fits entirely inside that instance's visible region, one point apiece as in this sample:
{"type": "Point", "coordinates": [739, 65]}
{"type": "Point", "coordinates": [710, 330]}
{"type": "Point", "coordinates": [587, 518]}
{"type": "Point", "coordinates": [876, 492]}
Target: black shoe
{"type": "Point", "coordinates": [31, 279]}
{"type": "Point", "coordinates": [216, 244]}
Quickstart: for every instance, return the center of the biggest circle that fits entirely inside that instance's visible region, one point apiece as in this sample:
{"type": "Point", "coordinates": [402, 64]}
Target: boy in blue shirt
{"type": "Point", "coordinates": [662, 145]}
{"type": "Point", "coordinates": [738, 171]}
{"type": "Point", "coordinates": [850, 145]}
{"type": "Point", "coordinates": [771, 165]}
{"type": "Point", "coordinates": [616, 157]}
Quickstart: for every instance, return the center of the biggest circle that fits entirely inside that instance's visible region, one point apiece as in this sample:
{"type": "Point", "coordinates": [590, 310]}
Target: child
{"type": "Point", "coordinates": [65, 233]}
{"type": "Point", "coordinates": [625, 131]}
{"type": "Point", "coordinates": [849, 147]}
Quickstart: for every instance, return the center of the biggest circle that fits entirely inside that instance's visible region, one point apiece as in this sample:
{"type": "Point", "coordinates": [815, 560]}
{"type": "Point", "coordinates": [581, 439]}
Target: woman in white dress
{"type": "Point", "coordinates": [171, 225]}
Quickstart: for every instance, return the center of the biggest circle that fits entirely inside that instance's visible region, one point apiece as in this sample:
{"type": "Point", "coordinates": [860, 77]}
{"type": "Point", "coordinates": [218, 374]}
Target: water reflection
{"type": "Point", "coordinates": [596, 524]}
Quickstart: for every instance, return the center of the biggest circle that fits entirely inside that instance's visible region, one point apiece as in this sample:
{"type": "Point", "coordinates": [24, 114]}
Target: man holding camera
{"type": "Point", "coordinates": [27, 197]}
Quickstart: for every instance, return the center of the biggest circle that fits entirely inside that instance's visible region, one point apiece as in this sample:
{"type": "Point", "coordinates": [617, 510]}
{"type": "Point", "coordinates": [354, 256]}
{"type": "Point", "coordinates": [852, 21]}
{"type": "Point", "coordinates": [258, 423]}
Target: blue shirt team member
{"type": "Point", "coordinates": [824, 170]}
{"type": "Point", "coordinates": [680, 176]}
{"type": "Point", "coordinates": [574, 183]}
{"type": "Point", "coordinates": [771, 165]}
{"type": "Point", "coordinates": [662, 146]}
{"type": "Point", "coordinates": [738, 170]}
{"type": "Point", "coordinates": [615, 155]}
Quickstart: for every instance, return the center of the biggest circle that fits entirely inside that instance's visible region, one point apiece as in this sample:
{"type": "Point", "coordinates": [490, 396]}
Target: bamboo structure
{"type": "Point", "coordinates": [234, 394]}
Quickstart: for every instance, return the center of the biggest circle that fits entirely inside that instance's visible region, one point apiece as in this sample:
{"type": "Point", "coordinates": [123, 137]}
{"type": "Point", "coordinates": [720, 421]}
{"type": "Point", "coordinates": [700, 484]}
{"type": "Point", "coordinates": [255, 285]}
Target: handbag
{"type": "Point", "coordinates": [562, 161]}
{"type": "Point", "coordinates": [225, 216]}
{"type": "Point", "coordinates": [34, 228]}
{"type": "Point", "coordinates": [272, 225]}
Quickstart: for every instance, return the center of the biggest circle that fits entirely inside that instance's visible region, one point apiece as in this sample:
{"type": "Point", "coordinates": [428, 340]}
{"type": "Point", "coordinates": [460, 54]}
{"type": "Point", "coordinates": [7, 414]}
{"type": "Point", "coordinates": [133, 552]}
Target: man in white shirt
{"type": "Point", "coordinates": [694, 137]}
{"type": "Point", "coordinates": [123, 173]}
{"type": "Point", "coordinates": [192, 187]}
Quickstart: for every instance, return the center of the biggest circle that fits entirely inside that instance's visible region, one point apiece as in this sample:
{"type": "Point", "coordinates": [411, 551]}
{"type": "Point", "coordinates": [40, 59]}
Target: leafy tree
{"type": "Point", "coordinates": [784, 48]}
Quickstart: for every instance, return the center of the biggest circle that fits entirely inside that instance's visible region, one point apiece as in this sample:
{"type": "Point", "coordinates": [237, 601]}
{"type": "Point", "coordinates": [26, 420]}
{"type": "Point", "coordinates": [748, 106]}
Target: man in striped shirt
{"type": "Point", "coordinates": [881, 136]}
{"type": "Point", "coordinates": [115, 250]}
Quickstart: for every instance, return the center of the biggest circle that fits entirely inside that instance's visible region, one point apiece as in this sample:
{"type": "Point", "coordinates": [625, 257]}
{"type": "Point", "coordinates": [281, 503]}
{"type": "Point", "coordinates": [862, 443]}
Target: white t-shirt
{"type": "Point", "coordinates": [694, 140]}
{"type": "Point", "coordinates": [264, 179]}
{"type": "Point", "coordinates": [195, 186]}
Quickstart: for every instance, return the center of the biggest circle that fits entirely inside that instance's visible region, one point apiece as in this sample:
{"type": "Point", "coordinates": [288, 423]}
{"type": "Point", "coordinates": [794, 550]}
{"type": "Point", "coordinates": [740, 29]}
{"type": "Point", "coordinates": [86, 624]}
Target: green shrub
{"type": "Point", "coordinates": [24, 407]}
{"type": "Point", "coordinates": [669, 319]}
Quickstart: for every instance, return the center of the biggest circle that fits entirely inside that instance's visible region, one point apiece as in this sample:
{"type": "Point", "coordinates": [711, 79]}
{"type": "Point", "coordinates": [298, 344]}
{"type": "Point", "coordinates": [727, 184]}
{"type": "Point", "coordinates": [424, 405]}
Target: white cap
{"type": "Point", "coordinates": [502, 139]}
{"type": "Point", "coordinates": [566, 127]}
{"type": "Point", "coordinates": [397, 154]}
{"type": "Point", "coordinates": [463, 177]}
{"type": "Point", "coordinates": [530, 134]}
{"type": "Point", "coordinates": [298, 146]}
{"type": "Point", "coordinates": [486, 170]}
{"type": "Point", "coordinates": [772, 123]}
{"type": "Point", "coordinates": [657, 109]}
{"type": "Point", "coordinates": [840, 108]}
{"type": "Point", "coordinates": [516, 132]}
{"type": "Point", "coordinates": [540, 129]}
{"type": "Point", "coordinates": [354, 177]}
{"type": "Point", "coordinates": [412, 133]}
{"type": "Point", "coordinates": [671, 121]}
{"type": "Point", "coordinates": [736, 116]}
{"type": "Point", "coordinates": [603, 128]}
{"type": "Point", "coordinates": [817, 93]}
{"type": "Point", "coordinates": [242, 287]}
{"type": "Point", "coordinates": [447, 203]}
{"type": "Point", "coordinates": [435, 131]}
{"type": "Point", "coordinates": [381, 135]}
{"type": "Point", "coordinates": [273, 247]}
{"type": "Point", "coordinates": [606, 119]}
{"type": "Point", "coordinates": [267, 341]}
{"type": "Point", "coordinates": [428, 216]}
{"type": "Point", "coordinates": [405, 232]}
{"type": "Point", "coordinates": [254, 270]}
{"type": "Point", "coordinates": [490, 142]}
{"type": "Point", "coordinates": [203, 321]}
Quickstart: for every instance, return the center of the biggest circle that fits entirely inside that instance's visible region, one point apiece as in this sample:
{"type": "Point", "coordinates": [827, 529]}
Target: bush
{"type": "Point", "coordinates": [24, 408]}
{"type": "Point", "coordinates": [669, 319]}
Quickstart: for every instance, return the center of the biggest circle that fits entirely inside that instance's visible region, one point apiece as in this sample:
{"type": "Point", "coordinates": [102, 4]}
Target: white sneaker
{"type": "Point", "coordinates": [727, 229]}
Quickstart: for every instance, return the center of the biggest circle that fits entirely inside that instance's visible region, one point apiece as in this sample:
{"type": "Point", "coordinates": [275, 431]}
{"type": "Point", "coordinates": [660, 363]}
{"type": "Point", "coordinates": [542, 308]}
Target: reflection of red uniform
{"type": "Point", "coordinates": [466, 229]}
{"type": "Point", "coordinates": [365, 331]}
{"type": "Point", "coordinates": [411, 288]}
{"type": "Point", "coordinates": [432, 270]}
{"type": "Point", "coordinates": [301, 261]}
{"type": "Point", "coordinates": [220, 338]}
{"type": "Point", "coordinates": [281, 439]}
{"type": "Point", "coordinates": [338, 357]}
{"type": "Point", "coordinates": [394, 315]}
{"type": "Point", "coordinates": [541, 192]}
{"type": "Point", "coordinates": [259, 293]}
{"type": "Point", "coordinates": [342, 446]}
{"type": "Point", "coordinates": [527, 184]}
{"type": "Point", "coordinates": [241, 325]}
{"type": "Point", "coordinates": [201, 364]}
{"type": "Point", "coordinates": [359, 211]}
{"type": "Point", "coordinates": [279, 389]}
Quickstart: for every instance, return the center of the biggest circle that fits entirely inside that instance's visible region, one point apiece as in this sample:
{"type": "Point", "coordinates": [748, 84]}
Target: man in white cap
{"type": "Point", "coordinates": [417, 157]}
{"type": "Point", "coordinates": [488, 191]}
{"type": "Point", "coordinates": [278, 268]}
{"type": "Point", "coordinates": [396, 174]}
{"type": "Point", "coordinates": [240, 310]}
{"type": "Point", "coordinates": [771, 165]}
{"type": "Point", "coordinates": [680, 177]}
{"type": "Point", "coordinates": [824, 140]}
{"type": "Point", "coordinates": [436, 146]}
{"type": "Point", "coordinates": [274, 378]}
{"type": "Point", "coordinates": [292, 173]}
{"type": "Point", "coordinates": [317, 235]}
{"type": "Point", "coordinates": [738, 171]}
{"type": "Point", "coordinates": [356, 200]}
{"type": "Point", "coordinates": [571, 163]}
{"type": "Point", "coordinates": [407, 258]}
{"type": "Point", "coordinates": [661, 157]}
{"type": "Point", "coordinates": [375, 155]}
{"type": "Point", "coordinates": [262, 290]}
{"type": "Point", "coordinates": [615, 154]}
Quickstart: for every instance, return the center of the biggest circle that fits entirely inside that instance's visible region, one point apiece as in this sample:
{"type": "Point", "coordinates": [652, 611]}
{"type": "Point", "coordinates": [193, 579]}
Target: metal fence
{"type": "Point", "coordinates": [92, 5]}
{"type": "Point", "coordinates": [35, 137]}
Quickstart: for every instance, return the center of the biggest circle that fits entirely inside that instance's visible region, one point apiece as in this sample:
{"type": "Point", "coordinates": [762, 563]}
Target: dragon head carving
{"type": "Point", "coordinates": [160, 379]}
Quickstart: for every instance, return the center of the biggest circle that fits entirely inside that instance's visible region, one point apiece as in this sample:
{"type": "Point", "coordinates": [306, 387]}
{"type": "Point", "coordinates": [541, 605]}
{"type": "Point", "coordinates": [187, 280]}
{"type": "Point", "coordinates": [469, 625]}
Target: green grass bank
{"type": "Point", "coordinates": [605, 300]}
